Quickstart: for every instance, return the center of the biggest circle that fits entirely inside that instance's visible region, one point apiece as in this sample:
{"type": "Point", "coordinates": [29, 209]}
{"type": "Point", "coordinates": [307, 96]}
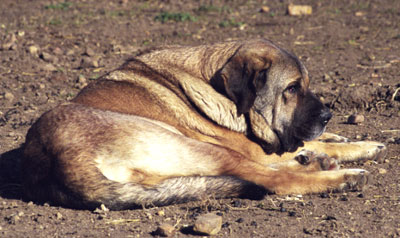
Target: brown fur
{"type": "Point", "coordinates": [184, 123]}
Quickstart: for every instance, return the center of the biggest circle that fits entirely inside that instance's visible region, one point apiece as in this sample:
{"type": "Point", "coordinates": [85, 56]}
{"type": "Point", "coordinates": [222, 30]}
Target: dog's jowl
{"type": "Point", "coordinates": [186, 123]}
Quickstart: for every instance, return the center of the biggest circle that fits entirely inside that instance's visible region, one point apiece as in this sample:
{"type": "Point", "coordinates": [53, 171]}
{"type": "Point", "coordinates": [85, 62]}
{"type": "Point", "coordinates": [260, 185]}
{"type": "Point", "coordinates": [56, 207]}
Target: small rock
{"type": "Point", "coordinates": [264, 9]}
{"type": "Point", "coordinates": [21, 33]}
{"type": "Point", "coordinates": [70, 52]}
{"type": "Point", "coordinates": [81, 82]}
{"type": "Point", "coordinates": [48, 57]}
{"type": "Point", "coordinates": [364, 29]}
{"type": "Point", "coordinates": [59, 216]}
{"type": "Point", "coordinates": [13, 219]}
{"type": "Point", "coordinates": [165, 230]}
{"type": "Point", "coordinates": [88, 62]}
{"type": "Point", "coordinates": [104, 208]}
{"type": "Point", "coordinates": [33, 50]}
{"type": "Point", "coordinates": [9, 43]}
{"type": "Point", "coordinates": [209, 224]}
{"type": "Point", "coordinates": [359, 14]}
{"type": "Point", "coordinates": [355, 119]}
{"type": "Point", "coordinates": [9, 96]}
{"type": "Point", "coordinates": [160, 213]}
{"type": "Point", "coordinates": [82, 79]}
{"type": "Point", "coordinates": [382, 171]}
{"type": "Point", "coordinates": [49, 67]}
{"type": "Point", "coordinates": [324, 195]}
{"type": "Point", "coordinates": [299, 10]}
{"type": "Point", "coordinates": [89, 52]}
{"type": "Point", "coordinates": [101, 210]}
{"type": "Point", "coordinates": [237, 203]}
{"type": "Point", "coordinates": [58, 51]}
{"type": "Point", "coordinates": [240, 220]}
{"type": "Point", "coordinates": [123, 2]}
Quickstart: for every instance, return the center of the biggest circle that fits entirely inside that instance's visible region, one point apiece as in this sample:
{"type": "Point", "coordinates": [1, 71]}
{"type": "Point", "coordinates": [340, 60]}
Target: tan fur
{"type": "Point", "coordinates": [182, 123]}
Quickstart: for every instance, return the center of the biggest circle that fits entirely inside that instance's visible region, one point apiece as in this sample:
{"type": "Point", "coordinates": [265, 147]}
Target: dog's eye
{"type": "Point", "coordinates": [292, 89]}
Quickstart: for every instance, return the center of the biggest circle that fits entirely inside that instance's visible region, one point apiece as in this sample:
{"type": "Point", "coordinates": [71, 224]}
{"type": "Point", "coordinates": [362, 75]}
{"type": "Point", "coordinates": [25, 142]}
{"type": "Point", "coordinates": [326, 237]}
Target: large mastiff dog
{"type": "Point", "coordinates": [183, 123]}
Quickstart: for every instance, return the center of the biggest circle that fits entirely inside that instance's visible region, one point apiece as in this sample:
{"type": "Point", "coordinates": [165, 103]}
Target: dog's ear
{"type": "Point", "coordinates": [242, 76]}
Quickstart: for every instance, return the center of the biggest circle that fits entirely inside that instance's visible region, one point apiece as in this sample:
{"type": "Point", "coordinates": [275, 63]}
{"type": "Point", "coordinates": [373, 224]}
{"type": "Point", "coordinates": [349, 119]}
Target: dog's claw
{"type": "Point", "coordinates": [355, 180]}
{"type": "Point", "coordinates": [305, 157]}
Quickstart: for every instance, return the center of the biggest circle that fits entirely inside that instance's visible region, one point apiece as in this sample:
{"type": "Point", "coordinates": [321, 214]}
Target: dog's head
{"type": "Point", "coordinates": [271, 87]}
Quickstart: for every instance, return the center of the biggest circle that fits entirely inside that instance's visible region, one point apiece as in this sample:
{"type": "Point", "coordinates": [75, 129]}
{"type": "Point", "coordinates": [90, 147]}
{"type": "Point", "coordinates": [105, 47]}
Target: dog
{"type": "Point", "coordinates": [232, 119]}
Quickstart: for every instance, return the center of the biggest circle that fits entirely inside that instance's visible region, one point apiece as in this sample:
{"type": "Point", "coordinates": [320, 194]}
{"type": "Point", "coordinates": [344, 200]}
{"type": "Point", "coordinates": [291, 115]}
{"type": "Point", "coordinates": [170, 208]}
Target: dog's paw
{"type": "Point", "coordinates": [330, 137]}
{"type": "Point", "coordinates": [320, 160]}
{"type": "Point", "coordinates": [305, 157]}
{"type": "Point", "coordinates": [354, 180]}
{"type": "Point", "coordinates": [364, 150]}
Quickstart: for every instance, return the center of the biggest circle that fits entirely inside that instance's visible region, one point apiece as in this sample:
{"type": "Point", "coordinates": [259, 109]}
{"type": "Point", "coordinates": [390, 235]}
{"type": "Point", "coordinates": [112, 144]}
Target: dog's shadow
{"type": "Point", "coordinates": [10, 174]}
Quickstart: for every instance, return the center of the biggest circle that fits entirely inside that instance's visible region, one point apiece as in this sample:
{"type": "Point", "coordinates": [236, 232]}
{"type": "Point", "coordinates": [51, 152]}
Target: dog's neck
{"type": "Point", "coordinates": [201, 62]}
{"type": "Point", "coordinates": [193, 68]}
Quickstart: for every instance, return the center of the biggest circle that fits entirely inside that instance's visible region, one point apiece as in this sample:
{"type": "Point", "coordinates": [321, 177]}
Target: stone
{"type": "Point", "coordinates": [209, 224]}
{"type": "Point", "coordinates": [33, 50]}
{"type": "Point", "coordinates": [49, 67]}
{"type": "Point", "coordinates": [265, 9]}
{"type": "Point", "coordinates": [8, 96]}
{"type": "Point", "coordinates": [88, 62]}
{"type": "Point", "coordinates": [165, 230]}
{"type": "Point", "coordinates": [299, 10]}
{"type": "Point", "coordinates": [382, 171]}
{"type": "Point", "coordinates": [355, 119]}
{"type": "Point", "coordinates": [89, 52]}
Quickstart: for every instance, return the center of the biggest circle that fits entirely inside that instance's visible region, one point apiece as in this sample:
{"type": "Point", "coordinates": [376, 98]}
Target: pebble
{"type": "Point", "coordinates": [209, 224]}
{"type": "Point", "coordinates": [8, 96]}
{"type": "Point", "coordinates": [165, 230]}
{"type": "Point", "coordinates": [49, 67]}
{"type": "Point", "coordinates": [237, 203]}
{"type": "Point", "coordinates": [81, 82]}
{"type": "Point", "coordinates": [89, 52]}
{"type": "Point", "coordinates": [33, 50]}
{"type": "Point", "coordinates": [70, 52]}
{"type": "Point", "coordinates": [59, 216]}
{"type": "Point", "coordinates": [355, 119]}
{"type": "Point", "coordinates": [104, 208]}
{"type": "Point", "coordinates": [382, 171]}
{"type": "Point", "coordinates": [359, 14]}
{"type": "Point", "coordinates": [264, 9]}
{"type": "Point", "coordinates": [9, 43]}
{"type": "Point", "coordinates": [82, 79]}
{"type": "Point", "coordinates": [88, 62]}
{"type": "Point", "coordinates": [58, 51]}
{"type": "Point", "coordinates": [48, 57]}
{"type": "Point", "coordinates": [160, 213]}
{"type": "Point", "coordinates": [240, 220]}
{"type": "Point", "coordinates": [299, 10]}
{"type": "Point", "coordinates": [324, 195]}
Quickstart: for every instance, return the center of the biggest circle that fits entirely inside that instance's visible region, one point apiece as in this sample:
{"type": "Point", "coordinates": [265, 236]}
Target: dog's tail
{"type": "Point", "coordinates": [180, 190]}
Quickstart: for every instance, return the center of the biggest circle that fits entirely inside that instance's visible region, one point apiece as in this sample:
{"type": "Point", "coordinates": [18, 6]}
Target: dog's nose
{"type": "Point", "coordinates": [325, 116]}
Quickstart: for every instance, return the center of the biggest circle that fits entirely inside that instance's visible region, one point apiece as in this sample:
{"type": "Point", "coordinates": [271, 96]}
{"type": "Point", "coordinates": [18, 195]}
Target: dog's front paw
{"type": "Point", "coordinates": [330, 137]}
{"type": "Point", "coordinates": [364, 150]}
{"type": "Point", "coordinates": [354, 180]}
{"type": "Point", "coordinates": [320, 160]}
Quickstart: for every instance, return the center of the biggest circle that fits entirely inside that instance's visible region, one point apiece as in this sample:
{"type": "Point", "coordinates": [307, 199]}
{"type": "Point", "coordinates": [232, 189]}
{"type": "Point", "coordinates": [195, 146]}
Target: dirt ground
{"type": "Point", "coordinates": [50, 49]}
